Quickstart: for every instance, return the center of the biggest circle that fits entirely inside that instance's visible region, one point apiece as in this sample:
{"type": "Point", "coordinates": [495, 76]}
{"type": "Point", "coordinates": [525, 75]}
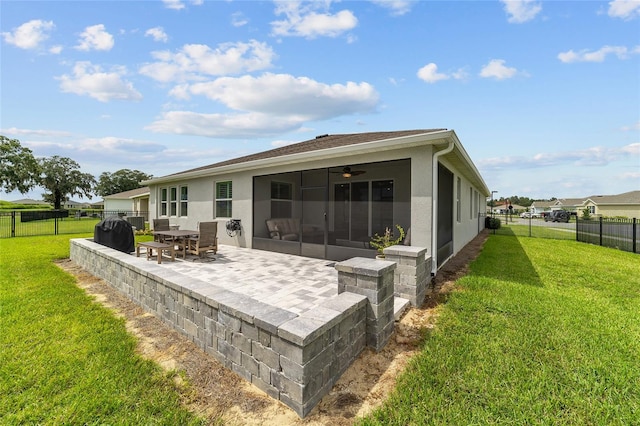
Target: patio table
{"type": "Point", "coordinates": [179, 236]}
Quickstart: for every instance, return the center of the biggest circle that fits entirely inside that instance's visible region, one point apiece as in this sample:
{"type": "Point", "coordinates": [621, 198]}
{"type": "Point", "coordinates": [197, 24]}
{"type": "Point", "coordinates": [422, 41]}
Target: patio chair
{"type": "Point", "coordinates": [161, 225]}
{"type": "Point", "coordinates": [207, 240]}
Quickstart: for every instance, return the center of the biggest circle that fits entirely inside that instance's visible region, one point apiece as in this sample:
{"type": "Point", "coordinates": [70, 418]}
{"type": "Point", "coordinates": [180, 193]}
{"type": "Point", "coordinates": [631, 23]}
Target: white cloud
{"type": "Point", "coordinates": [194, 61]}
{"type": "Point", "coordinates": [594, 156]}
{"type": "Point", "coordinates": [635, 126]}
{"type": "Point", "coordinates": [281, 143]}
{"type": "Point", "coordinates": [624, 9]}
{"type": "Point", "coordinates": [520, 11]}
{"type": "Point", "coordinates": [634, 176]}
{"type": "Point", "coordinates": [397, 7]}
{"type": "Point", "coordinates": [157, 33]}
{"type": "Point", "coordinates": [90, 80]}
{"type": "Point", "coordinates": [267, 105]}
{"type": "Point", "coordinates": [597, 55]}
{"type": "Point", "coordinates": [95, 37]}
{"type": "Point", "coordinates": [244, 125]}
{"type": "Point", "coordinates": [179, 4]}
{"type": "Point", "coordinates": [56, 50]}
{"type": "Point", "coordinates": [497, 69]}
{"type": "Point", "coordinates": [14, 131]}
{"type": "Point", "coordinates": [30, 34]}
{"type": "Point", "coordinates": [238, 19]}
{"type": "Point", "coordinates": [173, 4]}
{"type": "Point", "coordinates": [429, 73]}
{"type": "Point", "coordinates": [303, 20]}
{"type": "Point", "coordinates": [286, 95]}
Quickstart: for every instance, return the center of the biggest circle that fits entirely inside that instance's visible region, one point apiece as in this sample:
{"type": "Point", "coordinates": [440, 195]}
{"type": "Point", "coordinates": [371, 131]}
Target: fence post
{"type": "Point", "coordinates": [13, 223]}
{"type": "Point", "coordinates": [55, 225]}
{"type": "Point", "coordinates": [600, 230]}
{"type": "Point", "coordinates": [634, 235]}
{"type": "Point", "coordinates": [577, 227]}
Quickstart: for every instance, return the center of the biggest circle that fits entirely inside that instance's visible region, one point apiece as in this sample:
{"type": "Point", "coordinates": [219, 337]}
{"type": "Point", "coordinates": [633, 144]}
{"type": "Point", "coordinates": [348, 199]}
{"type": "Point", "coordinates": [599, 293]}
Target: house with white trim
{"type": "Point", "coordinates": [134, 201]}
{"type": "Point", "coordinates": [326, 197]}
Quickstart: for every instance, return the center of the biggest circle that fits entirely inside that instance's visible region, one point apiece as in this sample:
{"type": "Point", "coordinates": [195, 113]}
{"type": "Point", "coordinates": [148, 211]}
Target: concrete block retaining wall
{"type": "Point", "coordinates": [293, 358]}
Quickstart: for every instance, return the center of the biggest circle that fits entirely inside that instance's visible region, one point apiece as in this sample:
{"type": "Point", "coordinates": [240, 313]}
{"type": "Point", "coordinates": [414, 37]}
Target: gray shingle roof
{"type": "Point", "coordinates": [316, 144]}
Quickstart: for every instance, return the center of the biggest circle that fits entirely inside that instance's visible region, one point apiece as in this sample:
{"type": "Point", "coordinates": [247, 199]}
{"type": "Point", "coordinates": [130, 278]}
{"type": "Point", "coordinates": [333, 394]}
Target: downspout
{"type": "Point", "coordinates": [434, 209]}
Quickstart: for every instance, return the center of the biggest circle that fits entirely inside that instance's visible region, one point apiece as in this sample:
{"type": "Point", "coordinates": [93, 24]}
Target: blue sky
{"type": "Point", "coordinates": [544, 95]}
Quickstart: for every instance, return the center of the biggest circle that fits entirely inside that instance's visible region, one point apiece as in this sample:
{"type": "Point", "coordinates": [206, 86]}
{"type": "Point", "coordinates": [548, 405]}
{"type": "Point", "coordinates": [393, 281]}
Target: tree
{"type": "Point", "coordinates": [61, 176]}
{"type": "Point", "coordinates": [120, 181]}
{"type": "Point", "coordinates": [18, 167]}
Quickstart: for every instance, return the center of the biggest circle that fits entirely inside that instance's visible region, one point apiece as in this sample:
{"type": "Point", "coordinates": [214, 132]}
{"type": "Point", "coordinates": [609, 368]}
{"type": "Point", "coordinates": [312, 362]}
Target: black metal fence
{"type": "Point", "coordinates": [622, 234]}
{"type": "Point", "coordinates": [25, 223]}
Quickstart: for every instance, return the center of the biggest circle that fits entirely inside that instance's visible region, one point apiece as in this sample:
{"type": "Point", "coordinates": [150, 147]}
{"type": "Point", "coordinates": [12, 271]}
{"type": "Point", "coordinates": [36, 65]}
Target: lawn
{"type": "Point", "coordinates": [540, 332]}
{"type": "Point", "coordinates": [65, 359]}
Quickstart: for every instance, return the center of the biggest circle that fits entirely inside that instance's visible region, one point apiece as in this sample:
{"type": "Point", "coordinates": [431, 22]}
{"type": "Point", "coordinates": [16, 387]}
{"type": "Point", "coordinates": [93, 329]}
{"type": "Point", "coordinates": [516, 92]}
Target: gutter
{"type": "Point", "coordinates": [434, 208]}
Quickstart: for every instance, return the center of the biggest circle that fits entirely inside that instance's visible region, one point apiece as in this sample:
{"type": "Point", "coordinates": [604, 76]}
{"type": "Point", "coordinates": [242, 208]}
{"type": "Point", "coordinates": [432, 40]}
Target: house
{"type": "Point", "coordinates": [326, 197]}
{"type": "Point", "coordinates": [621, 205]}
{"type": "Point", "coordinates": [540, 207]}
{"type": "Point", "coordinates": [134, 202]}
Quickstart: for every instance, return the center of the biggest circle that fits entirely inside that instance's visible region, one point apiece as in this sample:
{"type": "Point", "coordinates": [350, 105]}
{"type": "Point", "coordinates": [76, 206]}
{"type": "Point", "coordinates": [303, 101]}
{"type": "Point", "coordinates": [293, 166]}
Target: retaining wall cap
{"type": "Point", "coordinates": [301, 330]}
{"type": "Point", "coordinates": [365, 266]}
{"type": "Point", "coordinates": [271, 317]}
{"type": "Point", "coordinates": [409, 251]}
{"type": "Point", "coordinates": [345, 302]}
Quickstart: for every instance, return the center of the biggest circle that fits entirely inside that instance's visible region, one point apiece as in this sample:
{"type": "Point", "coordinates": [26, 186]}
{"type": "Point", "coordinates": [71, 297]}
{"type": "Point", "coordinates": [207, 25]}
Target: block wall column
{"type": "Point", "coordinates": [374, 280]}
{"type": "Point", "coordinates": [412, 278]}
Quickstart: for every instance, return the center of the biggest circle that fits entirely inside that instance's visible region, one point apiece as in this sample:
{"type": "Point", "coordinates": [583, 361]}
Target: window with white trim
{"type": "Point", "coordinates": [224, 195]}
{"type": "Point", "coordinates": [173, 201]}
{"type": "Point", "coordinates": [184, 200]}
{"type": "Point", "coordinates": [163, 201]}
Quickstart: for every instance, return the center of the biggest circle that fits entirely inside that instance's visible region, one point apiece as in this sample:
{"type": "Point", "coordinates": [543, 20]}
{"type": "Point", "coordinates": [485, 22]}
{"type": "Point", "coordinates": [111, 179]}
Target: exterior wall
{"type": "Point", "coordinates": [629, 211]}
{"type": "Point", "coordinates": [114, 204]}
{"type": "Point", "coordinates": [201, 194]}
{"type": "Point", "coordinates": [469, 226]}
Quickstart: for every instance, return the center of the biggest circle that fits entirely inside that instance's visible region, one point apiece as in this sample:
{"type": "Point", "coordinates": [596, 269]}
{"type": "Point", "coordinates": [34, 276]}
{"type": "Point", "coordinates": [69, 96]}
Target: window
{"type": "Point", "coordinates": [163, 202]}
{"type": "Point", "coordinates": [281, 199]}
{"type": "Point", "coordinates": [224, 195]}
{"type": "Point", "coordinates": [173, 201]}
{"type": "Point", "coordinates": [458, 206]}
{"type": "Point", "coordinates": [471, 202]}
{"type": "Point", "coordinates": [184, 200]}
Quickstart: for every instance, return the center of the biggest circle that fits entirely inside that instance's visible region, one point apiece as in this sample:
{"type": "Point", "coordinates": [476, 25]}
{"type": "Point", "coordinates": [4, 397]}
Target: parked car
{"type": "Point", "coordinates": [527, 215]}
{"type": "Point", "coordinates": [557, 216]}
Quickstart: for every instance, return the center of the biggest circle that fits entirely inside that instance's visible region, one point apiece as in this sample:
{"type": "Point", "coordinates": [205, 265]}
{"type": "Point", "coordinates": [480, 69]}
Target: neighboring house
{"type": "Point", "coordinates": [540, 207]}
{"type": "Point", "coordinates": [327, 196]}
{"type": "Point", "coordinates": [503, 208]}
{"type": "Point", "coordinates": [621, 205]}
{"type": "Point", "coordinates": [134, 202]}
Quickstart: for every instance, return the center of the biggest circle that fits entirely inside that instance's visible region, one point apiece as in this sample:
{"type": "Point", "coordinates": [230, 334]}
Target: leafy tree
{"type": "Point", "coordinates": [61, 176]}
{"type": "Point", "coordinates": [18, 167]}
{"type": "Point", "coordinates": [120, 181]}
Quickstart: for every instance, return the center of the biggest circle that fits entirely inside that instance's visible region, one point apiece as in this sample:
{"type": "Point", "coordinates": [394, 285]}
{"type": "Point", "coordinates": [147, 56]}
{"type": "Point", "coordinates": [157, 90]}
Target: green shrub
{"type": "Point", "coordinates": [492, 222]}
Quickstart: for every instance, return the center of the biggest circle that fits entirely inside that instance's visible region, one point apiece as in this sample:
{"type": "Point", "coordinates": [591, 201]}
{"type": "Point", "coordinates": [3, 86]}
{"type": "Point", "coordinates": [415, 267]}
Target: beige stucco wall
{"type": "Point", "coordinates": [629, 211]}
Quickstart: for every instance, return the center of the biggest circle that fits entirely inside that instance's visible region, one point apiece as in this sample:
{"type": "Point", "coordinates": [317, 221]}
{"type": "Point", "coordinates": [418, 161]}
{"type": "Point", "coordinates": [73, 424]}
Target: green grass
{"type": "Point", "coordinates": [65, 359]}
{"type": "Point", "coordinates": [541, 332]}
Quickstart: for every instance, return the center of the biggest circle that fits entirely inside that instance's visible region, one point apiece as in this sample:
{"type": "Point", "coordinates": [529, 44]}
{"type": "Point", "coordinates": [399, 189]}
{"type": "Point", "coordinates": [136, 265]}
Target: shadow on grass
{"type": "Point", "coordinates": [504, 258]}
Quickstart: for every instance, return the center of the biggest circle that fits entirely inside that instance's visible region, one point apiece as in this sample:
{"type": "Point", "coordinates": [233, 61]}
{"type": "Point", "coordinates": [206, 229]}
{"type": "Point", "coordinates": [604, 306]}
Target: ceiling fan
{"type": "Point", "coordinates": [347, 172]}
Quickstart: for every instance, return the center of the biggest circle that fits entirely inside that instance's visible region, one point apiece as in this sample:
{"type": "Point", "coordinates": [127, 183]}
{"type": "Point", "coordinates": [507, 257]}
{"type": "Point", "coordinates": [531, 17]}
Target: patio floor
{"type": "Point", "coordinates": [293, 283]}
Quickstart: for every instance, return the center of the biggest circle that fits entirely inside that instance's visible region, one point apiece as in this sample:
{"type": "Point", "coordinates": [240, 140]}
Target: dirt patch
{"type": "Point", "coordinates": [215, 392]}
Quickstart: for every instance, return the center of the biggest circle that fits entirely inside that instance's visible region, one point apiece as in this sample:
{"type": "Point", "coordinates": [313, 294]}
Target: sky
{"type": "Point", "coordinates": [543, 95]}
